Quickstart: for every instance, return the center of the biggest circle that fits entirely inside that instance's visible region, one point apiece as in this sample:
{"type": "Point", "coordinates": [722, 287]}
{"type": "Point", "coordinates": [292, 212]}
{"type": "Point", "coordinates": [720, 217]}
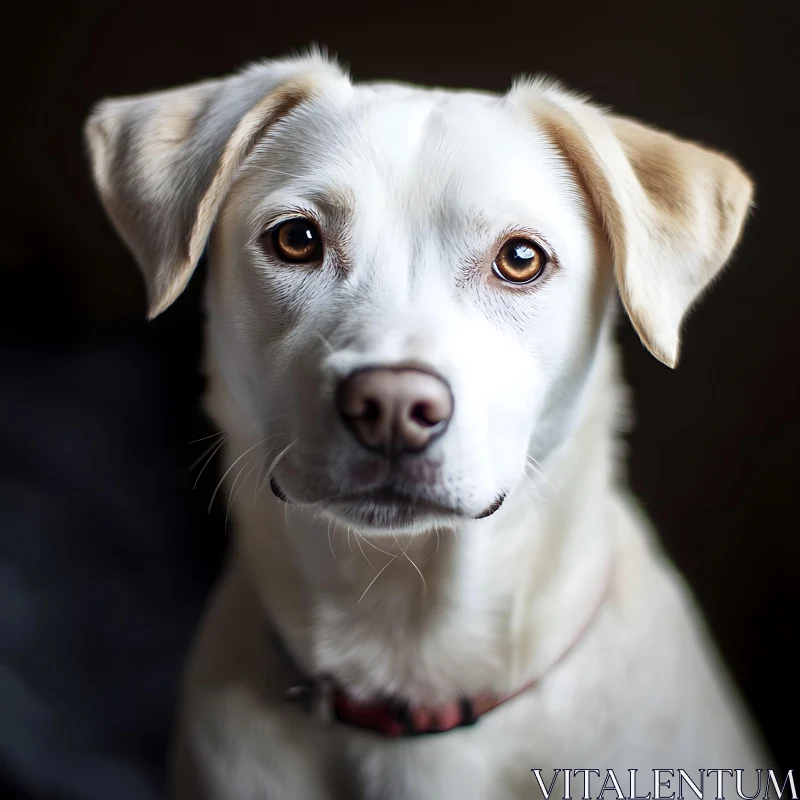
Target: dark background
{"type": "Point", "coordinates": [106, 552]}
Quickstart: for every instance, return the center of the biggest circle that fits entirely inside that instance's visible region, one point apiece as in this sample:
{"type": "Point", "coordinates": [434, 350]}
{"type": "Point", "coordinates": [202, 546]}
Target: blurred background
{"type": "Point", "coordinates": [106, 549]}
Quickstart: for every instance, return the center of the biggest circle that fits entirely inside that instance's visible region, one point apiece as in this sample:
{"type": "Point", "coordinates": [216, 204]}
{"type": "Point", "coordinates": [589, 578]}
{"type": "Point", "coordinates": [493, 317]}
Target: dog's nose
{"type": "Point", "coordinates": [394, 411]}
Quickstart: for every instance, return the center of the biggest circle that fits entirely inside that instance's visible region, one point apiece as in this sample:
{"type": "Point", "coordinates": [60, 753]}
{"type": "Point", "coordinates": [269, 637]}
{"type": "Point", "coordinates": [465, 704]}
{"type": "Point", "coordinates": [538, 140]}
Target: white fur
{"type": "Point", "coordinates": [417, 188]}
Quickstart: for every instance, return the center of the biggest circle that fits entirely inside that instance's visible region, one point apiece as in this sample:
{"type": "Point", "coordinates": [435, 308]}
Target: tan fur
{"type": "Point", "coordinates": [130, 153]}
{"type": "Point", "coordinates": [673, 211]}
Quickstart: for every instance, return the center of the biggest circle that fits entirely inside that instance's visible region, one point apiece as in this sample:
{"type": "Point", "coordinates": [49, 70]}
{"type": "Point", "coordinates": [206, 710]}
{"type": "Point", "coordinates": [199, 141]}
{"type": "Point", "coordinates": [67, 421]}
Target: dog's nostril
{"type": "Point", "coordinates": [371, 412]}
{"type": "Point", "coordinates": [426, 414]}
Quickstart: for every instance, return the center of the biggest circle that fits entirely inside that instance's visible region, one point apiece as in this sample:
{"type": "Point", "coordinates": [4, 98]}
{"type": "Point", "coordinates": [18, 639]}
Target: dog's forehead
{"type": "Point", "coordinates": [424, 143]}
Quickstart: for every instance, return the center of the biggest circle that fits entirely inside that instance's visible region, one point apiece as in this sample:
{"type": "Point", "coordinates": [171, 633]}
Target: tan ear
{"type": "Point", "coordinates": [672, 210]}
{"type": "Point", "coordinates": [163, 163]}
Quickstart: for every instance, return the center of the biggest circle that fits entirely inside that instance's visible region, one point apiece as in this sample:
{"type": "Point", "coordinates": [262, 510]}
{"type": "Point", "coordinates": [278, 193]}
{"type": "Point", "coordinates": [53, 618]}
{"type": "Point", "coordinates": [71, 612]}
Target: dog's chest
{"type": "Point", "coordinates": [396, 651]}
{"type": "Point", "coordinates": [417, 631]}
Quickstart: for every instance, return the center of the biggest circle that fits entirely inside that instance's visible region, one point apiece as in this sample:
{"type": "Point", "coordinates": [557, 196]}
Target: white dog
{"type": "Point", "coordinates": [410, 356]}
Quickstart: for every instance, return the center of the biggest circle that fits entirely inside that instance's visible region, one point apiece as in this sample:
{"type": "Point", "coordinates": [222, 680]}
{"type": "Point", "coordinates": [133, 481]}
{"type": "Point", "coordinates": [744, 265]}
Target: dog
{"type": "Point", "coordinates": [439, 582]}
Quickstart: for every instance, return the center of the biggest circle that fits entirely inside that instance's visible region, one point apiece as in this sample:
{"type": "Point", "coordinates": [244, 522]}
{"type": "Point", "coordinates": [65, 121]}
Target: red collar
{"type": "Point", "coordinates": [393, 717]}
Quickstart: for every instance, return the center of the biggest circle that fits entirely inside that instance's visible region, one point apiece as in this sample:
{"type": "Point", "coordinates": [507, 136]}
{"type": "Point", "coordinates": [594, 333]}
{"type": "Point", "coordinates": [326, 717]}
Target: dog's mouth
{"type": "Point", "coordinates": [389, 507]}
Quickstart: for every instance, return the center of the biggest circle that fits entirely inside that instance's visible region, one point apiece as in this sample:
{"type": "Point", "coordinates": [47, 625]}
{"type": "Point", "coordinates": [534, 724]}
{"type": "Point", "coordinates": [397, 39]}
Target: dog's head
{"type": "Point", "coordinates": [408, 286]}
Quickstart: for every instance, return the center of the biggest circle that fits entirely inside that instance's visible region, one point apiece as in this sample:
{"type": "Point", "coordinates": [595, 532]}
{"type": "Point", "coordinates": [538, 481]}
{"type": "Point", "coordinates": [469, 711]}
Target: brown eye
{"type": "Point", "coordinates": [519, 261]}
{"type": "Point", "coordinates": [297, 241]}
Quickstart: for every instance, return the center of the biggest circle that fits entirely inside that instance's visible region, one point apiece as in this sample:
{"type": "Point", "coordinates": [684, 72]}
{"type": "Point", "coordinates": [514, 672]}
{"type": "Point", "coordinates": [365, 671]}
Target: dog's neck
{"type": "Point", "coordinates": [484, 606]}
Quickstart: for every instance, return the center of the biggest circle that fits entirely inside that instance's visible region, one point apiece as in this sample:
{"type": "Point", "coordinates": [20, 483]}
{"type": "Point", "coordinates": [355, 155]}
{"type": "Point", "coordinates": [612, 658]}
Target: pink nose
{"type": "Point", "coordinates": [394, 411]}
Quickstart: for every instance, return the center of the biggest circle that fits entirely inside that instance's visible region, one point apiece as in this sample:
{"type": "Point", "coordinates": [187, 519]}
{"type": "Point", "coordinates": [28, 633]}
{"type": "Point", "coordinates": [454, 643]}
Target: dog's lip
{"type": "Point", "coordinates": [495, 506]}
{"type": "Point", "coordinates": [276, 490]}
{"type": "Point", "coordinates": [388, 495]}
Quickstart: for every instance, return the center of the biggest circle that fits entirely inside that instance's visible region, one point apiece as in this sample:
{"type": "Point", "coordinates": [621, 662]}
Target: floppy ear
{"type": "Point", "coordinates": [672, 210]}
{"type": "Point", "coordinates": [164, 162]}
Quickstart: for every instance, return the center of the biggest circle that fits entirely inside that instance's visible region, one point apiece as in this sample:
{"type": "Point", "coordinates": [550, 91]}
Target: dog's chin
{"type": "Point", "coordinates": [388, 510]}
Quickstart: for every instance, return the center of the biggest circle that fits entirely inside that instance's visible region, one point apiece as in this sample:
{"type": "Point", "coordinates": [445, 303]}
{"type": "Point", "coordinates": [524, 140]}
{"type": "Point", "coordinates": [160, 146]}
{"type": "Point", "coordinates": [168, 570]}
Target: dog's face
{"type": "Point", "coordinates": [408, 286]}
{"type": "Point", "coordinates": [403, 281]}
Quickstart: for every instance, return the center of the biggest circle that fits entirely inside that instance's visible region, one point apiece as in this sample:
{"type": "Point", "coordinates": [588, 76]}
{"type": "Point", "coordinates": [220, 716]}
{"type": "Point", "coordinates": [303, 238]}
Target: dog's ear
{"type": "Point", "coordinates": [672, 211]}
{"type": "Point", "coordinates": [164, 162]}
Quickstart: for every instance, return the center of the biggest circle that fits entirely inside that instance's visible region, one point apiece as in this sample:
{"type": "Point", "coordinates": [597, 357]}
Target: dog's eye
{"type": "Point", "coordinates": [520, 261]}
{"type": "Point", "coordinates": [297, 241]}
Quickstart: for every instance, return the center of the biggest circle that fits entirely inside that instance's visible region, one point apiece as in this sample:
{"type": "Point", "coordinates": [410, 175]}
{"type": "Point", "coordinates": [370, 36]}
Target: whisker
{"type": "Point", "coordinates": [258, 479]}
{"type": "Point", "coordinates": [233, 498]}
{"type": "Point", "coordinates": [258, 485]}
{"type": "Point", "coordinates": [215, 447]}
{"type": "Point", "coordinates": [324, 341]}
{"type": "Point", "coordinates": [203, 455]}
{"type": "Point", "coordinates": [203, 438]}
{"type": "Point", "coordinates": [275, 462]}
{"type": "Point", "coordinates": [375, 547]}
{"type": "Point", "coordinates": [358, 542]}
{"type": "Point", "coordinates": [231, 495]}
{"type": "Point", "coordinates": [538, 469]}
{"type": "Point", "coordinates": [438, 542]}
{"type": "Point", "coordinates": [225, 475]}
{"type": "Point", "coordinates": [411, 561]}
{"type": "Point", "coordinates": [533, 493]}
{"type": "Point", "coordinates": [330, 540]}
{"type": "Point", "coordinates": [380, 572]}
